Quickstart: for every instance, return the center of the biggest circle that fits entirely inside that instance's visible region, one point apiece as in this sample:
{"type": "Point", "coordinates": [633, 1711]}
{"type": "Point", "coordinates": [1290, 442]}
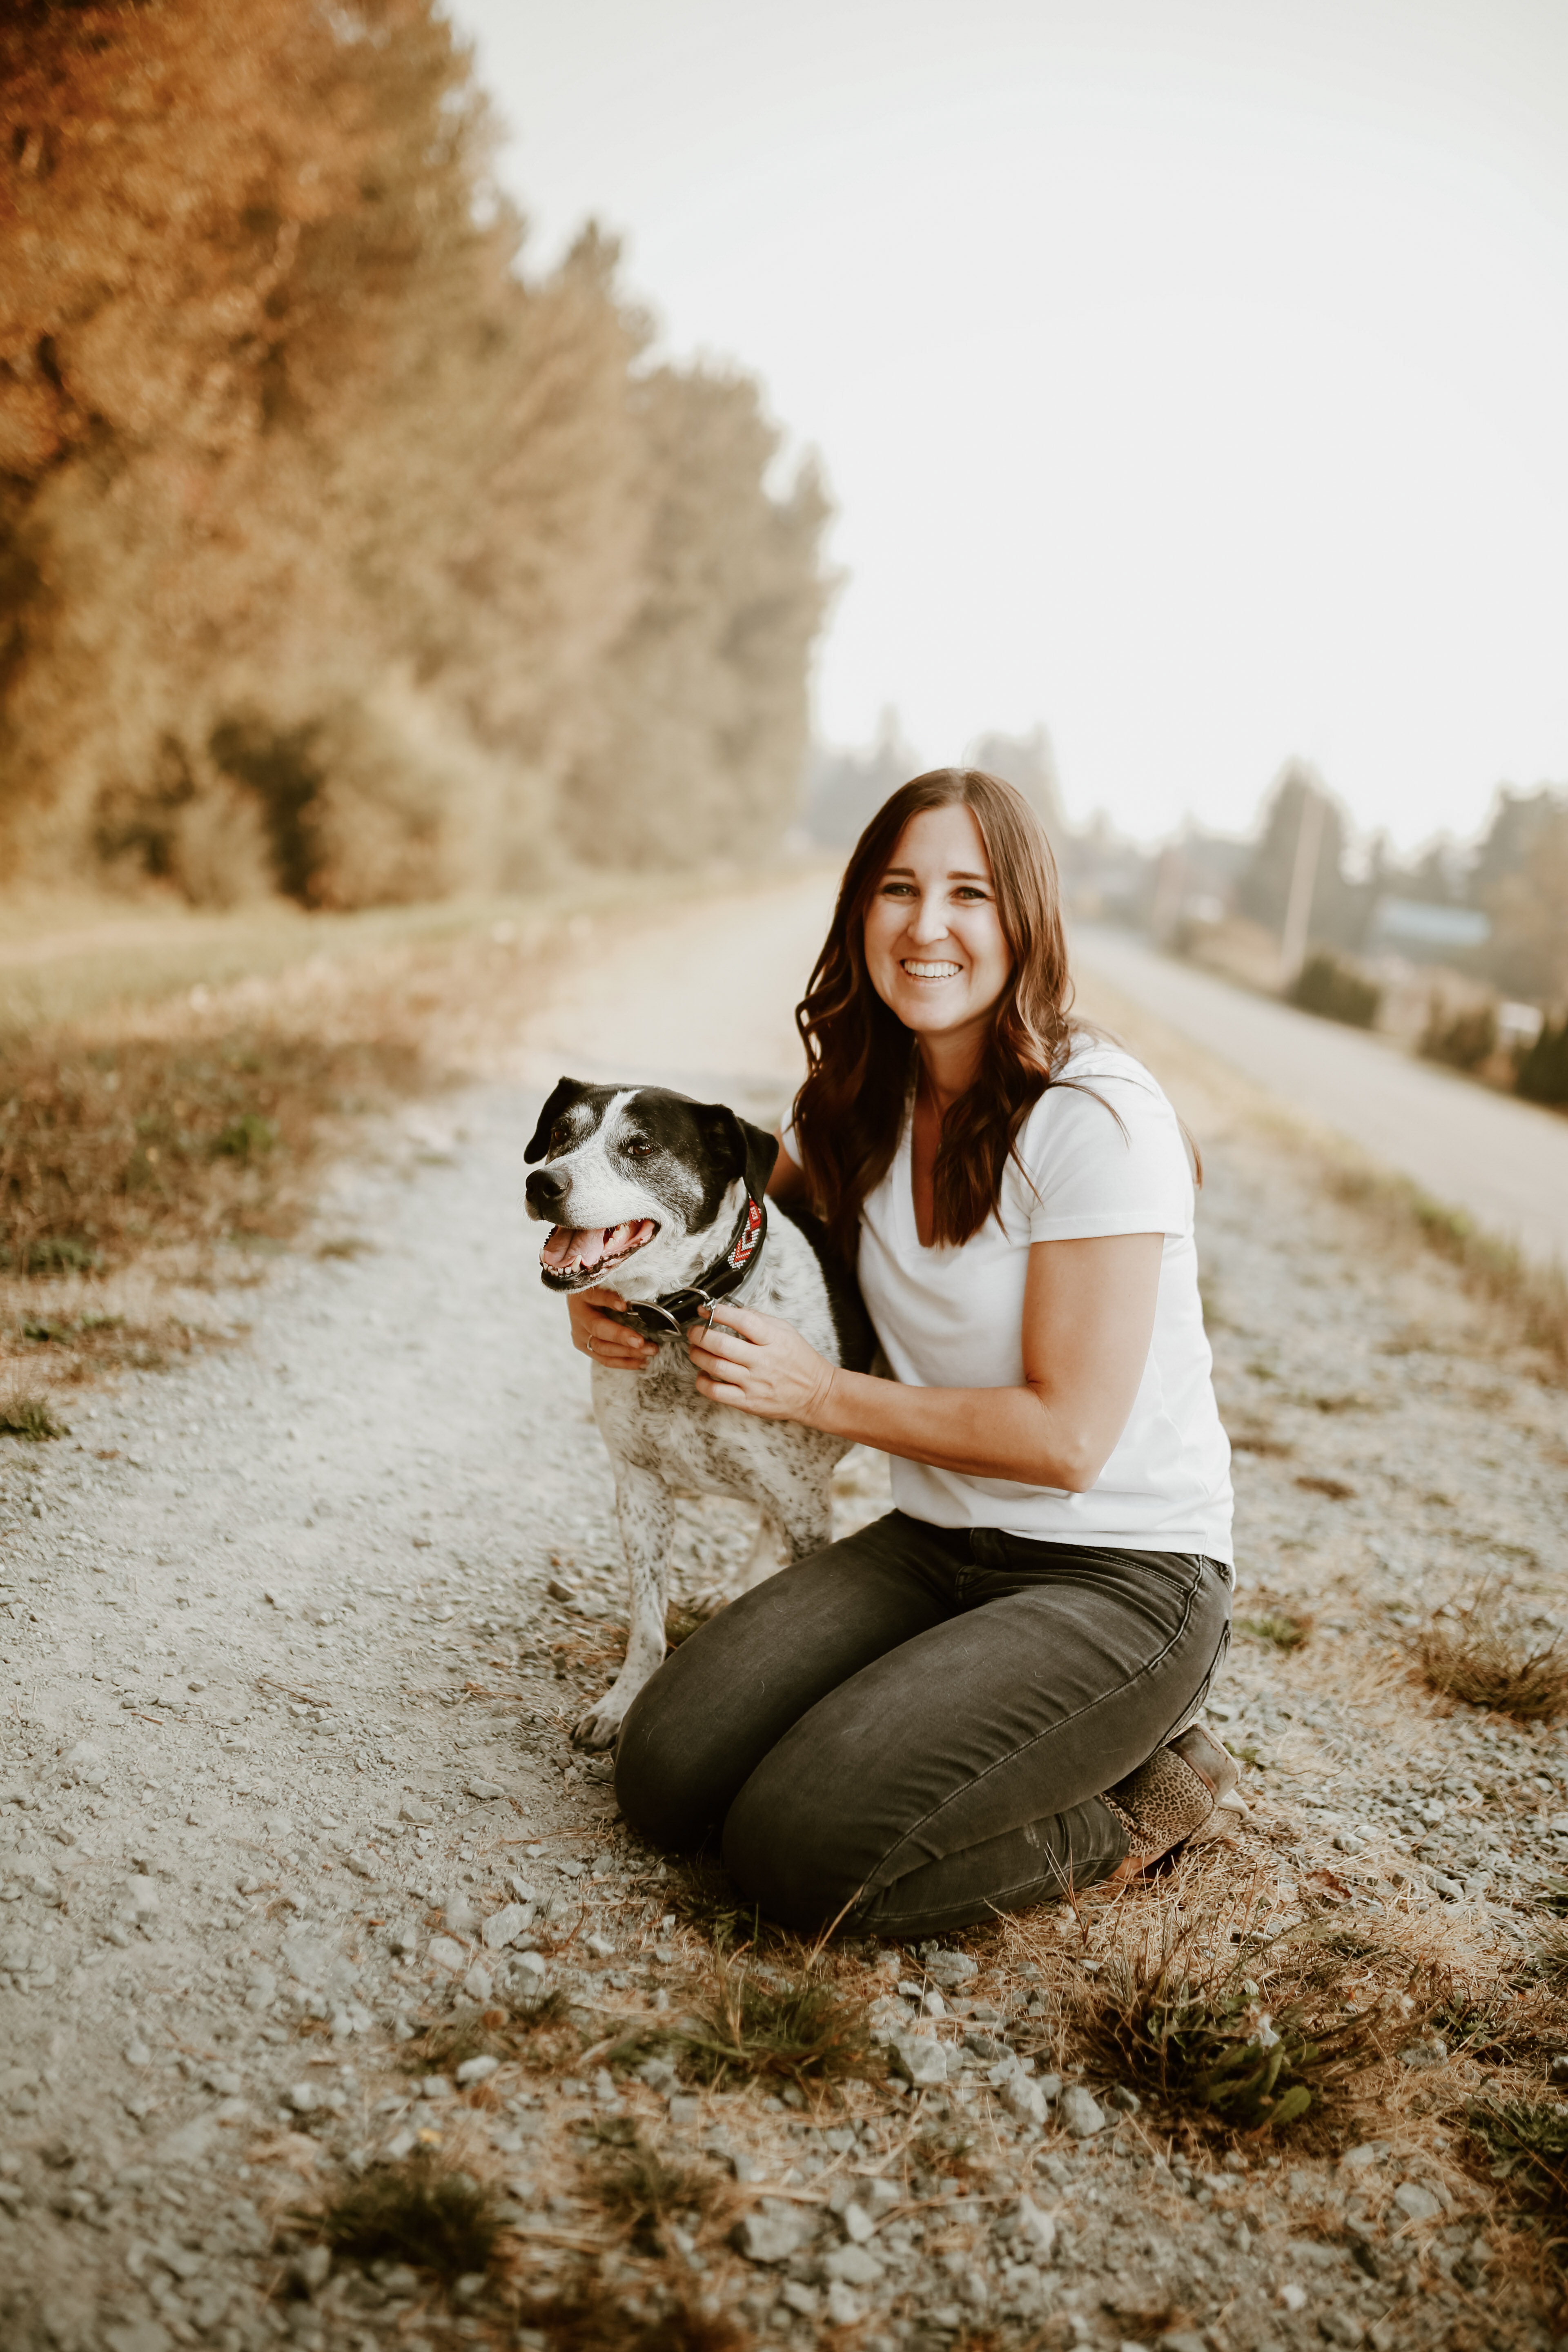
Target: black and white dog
{"type": "Point", "coordinates": [660, 1198]}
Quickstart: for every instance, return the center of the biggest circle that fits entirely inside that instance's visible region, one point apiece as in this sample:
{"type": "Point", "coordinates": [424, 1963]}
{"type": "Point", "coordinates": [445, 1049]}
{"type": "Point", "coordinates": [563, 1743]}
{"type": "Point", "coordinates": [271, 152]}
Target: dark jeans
{"type": "Point", "coordinates": [914, 1727]}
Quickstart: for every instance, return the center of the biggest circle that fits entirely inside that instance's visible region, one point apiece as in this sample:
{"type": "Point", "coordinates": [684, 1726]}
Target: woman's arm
{"type": "Point", "coordinates": [592, 1313]}
{"type": "Point", "coordinates": [1088, 1316]}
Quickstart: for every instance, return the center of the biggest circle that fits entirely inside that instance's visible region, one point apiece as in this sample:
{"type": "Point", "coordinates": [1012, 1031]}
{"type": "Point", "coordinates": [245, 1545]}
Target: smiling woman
{"type": "Point", "coordinates": [988, 1697]}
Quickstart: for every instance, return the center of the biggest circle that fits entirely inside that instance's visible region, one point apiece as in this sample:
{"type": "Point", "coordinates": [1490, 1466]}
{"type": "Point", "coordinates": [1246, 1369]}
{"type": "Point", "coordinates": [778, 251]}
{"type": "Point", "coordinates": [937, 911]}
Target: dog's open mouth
{"type": "Point", "coordinates": [577, 1254]}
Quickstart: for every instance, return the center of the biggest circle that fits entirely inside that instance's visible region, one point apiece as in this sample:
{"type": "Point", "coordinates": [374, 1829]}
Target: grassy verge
{"type": "Point", "coordinates": [1531, 1297]}
{"type": "Point", "coordinates": [1534, 1296]}
{"type": "Point", "coordinates": [75, 960]}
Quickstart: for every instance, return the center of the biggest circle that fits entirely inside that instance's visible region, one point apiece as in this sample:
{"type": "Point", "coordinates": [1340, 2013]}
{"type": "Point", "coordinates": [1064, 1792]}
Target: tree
{"type": "Point", "coordinates": [1528, 951]}
{"type": "Point", "coordinates": [702, 699]}
{"type": "Point", "coordinates": [1030, 762]}
{"type": "Point", "coordinates": [1338, 911]}
{"type": "Point", "coordinates": [325, 526]}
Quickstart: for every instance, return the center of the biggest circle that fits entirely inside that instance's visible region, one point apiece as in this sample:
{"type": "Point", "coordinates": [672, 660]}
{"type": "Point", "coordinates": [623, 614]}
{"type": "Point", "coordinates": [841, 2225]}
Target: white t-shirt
{"type": "Point", "coordinates": [954, 1316]}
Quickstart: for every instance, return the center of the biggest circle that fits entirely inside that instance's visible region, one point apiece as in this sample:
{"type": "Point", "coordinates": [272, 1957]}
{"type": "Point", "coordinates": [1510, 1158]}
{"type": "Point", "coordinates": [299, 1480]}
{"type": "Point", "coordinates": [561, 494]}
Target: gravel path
{"type": "Point", "coordinates": [1503, 1161]}
{"type": "Point", "coordinates": [290, 1637]}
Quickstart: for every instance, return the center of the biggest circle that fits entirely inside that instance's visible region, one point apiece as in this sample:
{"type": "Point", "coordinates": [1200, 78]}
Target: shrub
{"type": "Point", "coordinates": [1335, 991]}
{"type": "Point", "coordinates": [1463, 1042]}
{"type": "Point", "coordinates": [1543, 1066]}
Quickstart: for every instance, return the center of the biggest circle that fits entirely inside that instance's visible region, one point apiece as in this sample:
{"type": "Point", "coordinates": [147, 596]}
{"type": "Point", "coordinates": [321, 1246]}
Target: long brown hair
{"type": "Point", "coordinates": [849, 1112]}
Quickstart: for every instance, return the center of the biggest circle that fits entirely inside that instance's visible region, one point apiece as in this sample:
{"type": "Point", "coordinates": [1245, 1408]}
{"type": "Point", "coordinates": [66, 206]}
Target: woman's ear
{"type": "Point", "coordinates": [566, 1091]}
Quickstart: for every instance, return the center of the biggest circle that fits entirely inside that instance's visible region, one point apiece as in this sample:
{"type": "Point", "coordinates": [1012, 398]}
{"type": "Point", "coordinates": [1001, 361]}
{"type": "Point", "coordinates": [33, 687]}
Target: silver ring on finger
{"type": "Point", "coordinates": [588, 1343]}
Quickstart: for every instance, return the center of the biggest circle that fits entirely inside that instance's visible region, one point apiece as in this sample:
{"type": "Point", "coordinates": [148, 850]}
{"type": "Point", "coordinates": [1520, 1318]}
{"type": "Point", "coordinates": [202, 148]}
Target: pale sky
{"type": "Point", "coordinates": [1189, 375]}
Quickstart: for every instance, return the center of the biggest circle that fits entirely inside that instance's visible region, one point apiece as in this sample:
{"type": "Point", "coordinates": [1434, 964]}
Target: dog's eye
{"type": "Point", "coordinates": [558, 1135]}
{"type": "Point", "coordinates": [639, 1147]}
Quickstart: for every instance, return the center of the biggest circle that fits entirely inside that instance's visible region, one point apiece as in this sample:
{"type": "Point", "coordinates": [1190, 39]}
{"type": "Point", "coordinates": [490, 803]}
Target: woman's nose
{"type": "Point", "coordinates": [929, 921]}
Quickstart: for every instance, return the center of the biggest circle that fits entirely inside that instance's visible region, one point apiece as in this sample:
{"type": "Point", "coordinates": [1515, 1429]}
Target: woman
{"type": "Point", "coordinates": [977, 1702]}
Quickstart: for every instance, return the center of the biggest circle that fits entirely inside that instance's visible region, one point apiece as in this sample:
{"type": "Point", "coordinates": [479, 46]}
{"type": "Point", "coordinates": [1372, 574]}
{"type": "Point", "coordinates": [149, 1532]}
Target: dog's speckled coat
{"type": "Point", "coordinates": [616, 1157]}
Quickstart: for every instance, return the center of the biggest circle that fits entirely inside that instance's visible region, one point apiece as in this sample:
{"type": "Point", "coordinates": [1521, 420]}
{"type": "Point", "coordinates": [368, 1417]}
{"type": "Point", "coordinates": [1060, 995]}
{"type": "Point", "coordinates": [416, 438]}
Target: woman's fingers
{"type": "Point", "coordinates": [744, 1319]}
{"type": "Point", "coordinates": [602, 1336]}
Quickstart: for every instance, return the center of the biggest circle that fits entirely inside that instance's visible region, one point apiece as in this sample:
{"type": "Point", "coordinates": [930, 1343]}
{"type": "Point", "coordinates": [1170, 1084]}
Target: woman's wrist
{"type": "Point", "coordinates": [821, 1412]}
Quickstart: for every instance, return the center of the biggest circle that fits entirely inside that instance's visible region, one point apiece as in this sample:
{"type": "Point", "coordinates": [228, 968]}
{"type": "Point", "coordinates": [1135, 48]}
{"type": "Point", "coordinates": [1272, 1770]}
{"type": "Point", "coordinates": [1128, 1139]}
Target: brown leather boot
{"type": "Point", "coordinates": [1172, 1797]}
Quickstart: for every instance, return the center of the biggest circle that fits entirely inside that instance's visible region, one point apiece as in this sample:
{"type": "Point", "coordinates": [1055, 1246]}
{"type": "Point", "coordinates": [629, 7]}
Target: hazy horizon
{"type": "Point", "coordinates": [1191, 385]}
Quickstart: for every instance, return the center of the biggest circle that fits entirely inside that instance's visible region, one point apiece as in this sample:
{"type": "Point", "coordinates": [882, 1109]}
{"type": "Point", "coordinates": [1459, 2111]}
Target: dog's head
{"type": "Point", "coordinates": [640, 1186]}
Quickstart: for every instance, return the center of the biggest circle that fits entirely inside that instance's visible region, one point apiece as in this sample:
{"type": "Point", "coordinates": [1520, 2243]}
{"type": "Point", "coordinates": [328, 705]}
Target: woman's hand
{"type": "Point", "coordinates": [760, 1364]}
{"type": "Point", "coordinates": [600, 1336]}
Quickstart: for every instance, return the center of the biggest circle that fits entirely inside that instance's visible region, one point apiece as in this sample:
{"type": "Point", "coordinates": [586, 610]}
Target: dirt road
{"type": "Point", "coordinates": [291, 1842]}
{"type": "Point", "coordinates": [1503, 1162]}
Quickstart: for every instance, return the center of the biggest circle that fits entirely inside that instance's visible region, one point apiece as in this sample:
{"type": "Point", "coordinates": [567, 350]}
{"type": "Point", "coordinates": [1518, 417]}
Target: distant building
{"type": "Point", "coordinates": [1416, 928]}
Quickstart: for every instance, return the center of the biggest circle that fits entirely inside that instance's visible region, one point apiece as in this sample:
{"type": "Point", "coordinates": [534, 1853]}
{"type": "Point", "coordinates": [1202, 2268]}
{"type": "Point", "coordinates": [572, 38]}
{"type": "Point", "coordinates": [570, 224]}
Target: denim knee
{"type": "Point", "coordinates": [784, 1855]}
{"type": "Point", "coordinates": [661, 1785]}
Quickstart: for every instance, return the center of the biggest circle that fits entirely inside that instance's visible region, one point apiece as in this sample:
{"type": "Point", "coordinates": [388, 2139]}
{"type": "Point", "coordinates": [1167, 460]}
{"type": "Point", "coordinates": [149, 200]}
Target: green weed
{"type": "Point", "coordinates": [1285, 1630]}
{"type": "Point", "coordinates": [791, 2027]}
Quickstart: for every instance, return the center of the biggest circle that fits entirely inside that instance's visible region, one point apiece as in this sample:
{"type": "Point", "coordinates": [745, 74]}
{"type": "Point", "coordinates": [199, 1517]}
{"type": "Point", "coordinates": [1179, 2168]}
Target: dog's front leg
{"type": "Point", "coordinates": [646, 1515]}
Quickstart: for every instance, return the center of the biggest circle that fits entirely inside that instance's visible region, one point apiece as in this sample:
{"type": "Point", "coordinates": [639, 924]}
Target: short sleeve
{"type": "Point", "coordinates": [1105, 1155]}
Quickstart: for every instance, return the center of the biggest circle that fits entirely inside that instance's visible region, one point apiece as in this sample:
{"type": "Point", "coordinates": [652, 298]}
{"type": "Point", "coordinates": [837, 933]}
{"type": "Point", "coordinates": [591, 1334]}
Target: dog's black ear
{"type": "Point", "coordinates": [761, 1151]}
{"type": "Point", "coordinates": [566, 1091]}
{"type": "Point", "coordinates": [751, 1152]}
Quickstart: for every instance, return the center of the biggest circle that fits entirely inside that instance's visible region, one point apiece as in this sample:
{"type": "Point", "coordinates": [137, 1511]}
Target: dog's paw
{"type": "Point", "coordinates": [600, 1728]}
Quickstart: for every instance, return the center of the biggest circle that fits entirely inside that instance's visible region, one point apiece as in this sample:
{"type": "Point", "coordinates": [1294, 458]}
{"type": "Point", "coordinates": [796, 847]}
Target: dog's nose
{"type": "Point", "coordinates": [545, 1190]}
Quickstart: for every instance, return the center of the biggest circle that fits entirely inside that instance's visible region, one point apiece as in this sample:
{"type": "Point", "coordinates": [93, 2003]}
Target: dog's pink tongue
{"type": "Point", "coordinates": [567, 1246]}
{"type": "Point", "coordinates": [587, 1245]}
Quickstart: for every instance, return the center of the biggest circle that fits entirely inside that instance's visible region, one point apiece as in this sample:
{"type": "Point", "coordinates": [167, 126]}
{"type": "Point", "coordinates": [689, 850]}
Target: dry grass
{"type": "Point", "coordinates": [126, 1127]}
{"type": "Point", "coordinates": [1180, 2012]}
{"type": "Point", "coordinates": [591, 2317]}
{"type": "Point", "coordinates": [71, 1344]}
{"type": "Point", "coordinates": [1534, 1296]}
{"type": "Point", "coordinates": [112, 1146]}
{"type": "Point", "coordinates": [1487, 1659]}
{"type": "Point", "coordinates": [1184, 1989]}
{"type": "Point", "coordinates": [1282, 1629]}
{"type": "Point", "coordinates": [761, 2023]}
{"type": "Point", "coordinates": [528, 2031]}
{"type": "Point", "coordinates": [418, 2212]}
{"type": "Point", "coordinates": [641, 2193]}
{"type": "Point", "coordinates": [26, 1412]}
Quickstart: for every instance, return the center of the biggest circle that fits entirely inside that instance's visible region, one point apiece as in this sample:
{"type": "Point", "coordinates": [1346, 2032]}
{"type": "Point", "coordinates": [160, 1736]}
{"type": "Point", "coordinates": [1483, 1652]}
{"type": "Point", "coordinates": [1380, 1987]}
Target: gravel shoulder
{"type": "Point", "coordinates": [302, 1885]}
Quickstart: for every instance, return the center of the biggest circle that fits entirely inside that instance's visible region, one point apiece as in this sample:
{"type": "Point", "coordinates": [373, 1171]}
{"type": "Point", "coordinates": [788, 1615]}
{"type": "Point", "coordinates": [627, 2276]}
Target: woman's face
{"type": "Point", "coordinates": [934, 944]}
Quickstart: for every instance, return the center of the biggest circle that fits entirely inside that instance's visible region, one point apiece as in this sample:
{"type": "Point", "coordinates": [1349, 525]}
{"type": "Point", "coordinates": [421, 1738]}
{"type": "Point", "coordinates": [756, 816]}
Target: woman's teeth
{"type": "Point", "coordinates": [931, 970]}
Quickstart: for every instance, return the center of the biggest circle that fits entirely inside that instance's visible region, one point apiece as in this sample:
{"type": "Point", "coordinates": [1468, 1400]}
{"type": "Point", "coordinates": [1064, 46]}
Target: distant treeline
{"type": "Point", "coordinates": [337, 555]}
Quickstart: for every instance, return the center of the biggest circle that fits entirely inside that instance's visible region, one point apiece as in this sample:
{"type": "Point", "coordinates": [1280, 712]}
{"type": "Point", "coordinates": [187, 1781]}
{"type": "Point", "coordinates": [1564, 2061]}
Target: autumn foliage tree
{"type": "Point", "coordinates": [341, 556]}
